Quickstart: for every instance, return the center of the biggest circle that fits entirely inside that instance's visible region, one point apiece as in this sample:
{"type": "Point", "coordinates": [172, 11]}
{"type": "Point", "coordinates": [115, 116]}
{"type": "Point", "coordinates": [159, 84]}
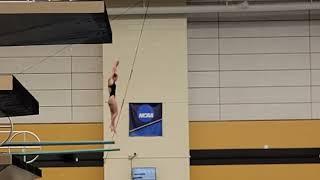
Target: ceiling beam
{"type": "Point", "coordinates": [197, 9]}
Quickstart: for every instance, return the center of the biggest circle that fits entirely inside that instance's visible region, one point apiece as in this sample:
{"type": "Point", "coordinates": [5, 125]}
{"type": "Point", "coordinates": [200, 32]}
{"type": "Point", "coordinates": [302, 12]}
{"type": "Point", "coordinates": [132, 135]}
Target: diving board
{"type": "Point", "coordinates": [56, 143]}
{"type": "Point", "coordinates": [63, 152]}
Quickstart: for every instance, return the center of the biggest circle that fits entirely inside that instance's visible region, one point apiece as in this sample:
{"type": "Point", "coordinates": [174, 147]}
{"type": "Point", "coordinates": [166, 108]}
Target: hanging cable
{"type": "Point", "coordinates": [67, 46]}
{"type": "Point", "coordinates": [131, 71]}
{"type": "Point", "coordinates": [133, 64]}
{"type": "Point", "coordinates": [44, 59]}
{"type": "Point", "coordinates": [127, 9]}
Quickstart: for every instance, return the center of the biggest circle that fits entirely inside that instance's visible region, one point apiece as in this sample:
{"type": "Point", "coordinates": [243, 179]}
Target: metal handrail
{"type": "Point", "coordinates": [7, 126]}
{"type": "Point", "coordinates": [22, 148]}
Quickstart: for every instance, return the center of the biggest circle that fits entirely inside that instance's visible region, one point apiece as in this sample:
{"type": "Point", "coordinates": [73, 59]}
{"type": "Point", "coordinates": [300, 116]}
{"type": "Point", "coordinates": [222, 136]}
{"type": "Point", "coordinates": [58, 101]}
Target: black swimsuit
{"type": "Point", "coordinates": [113, 89]}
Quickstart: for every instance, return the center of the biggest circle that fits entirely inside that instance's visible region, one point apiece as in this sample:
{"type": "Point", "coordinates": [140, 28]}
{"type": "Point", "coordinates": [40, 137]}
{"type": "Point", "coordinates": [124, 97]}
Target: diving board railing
{"type": "Point", "coordinates": [56, 143]}
{"type": "Point", "coordinates": [22, 146]}
{"type": "Point", "coordinates": [6, 128]}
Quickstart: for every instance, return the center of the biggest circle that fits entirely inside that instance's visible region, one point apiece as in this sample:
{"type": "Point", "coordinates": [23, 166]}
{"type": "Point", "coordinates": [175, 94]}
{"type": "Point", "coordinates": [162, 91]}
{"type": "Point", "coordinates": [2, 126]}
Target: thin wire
{"type": "Point", "coordinates": [133, 64]}
{"type": "Point", "coordinates": [125, 11]}
{"type": "Point", "coordinates": [46, 58]}
{"type": "Point", "coordinates": [32, 66]}
{"type": "Point", "coordinates": [131, 72]}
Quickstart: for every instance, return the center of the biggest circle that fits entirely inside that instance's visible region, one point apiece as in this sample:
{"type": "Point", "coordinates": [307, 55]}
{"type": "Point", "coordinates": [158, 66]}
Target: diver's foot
{"type": "Point", "coordinates": [113, 129]}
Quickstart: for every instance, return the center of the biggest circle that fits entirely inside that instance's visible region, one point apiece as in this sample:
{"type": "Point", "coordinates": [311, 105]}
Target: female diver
{"type": "Point", "coordinates": [112, 98]}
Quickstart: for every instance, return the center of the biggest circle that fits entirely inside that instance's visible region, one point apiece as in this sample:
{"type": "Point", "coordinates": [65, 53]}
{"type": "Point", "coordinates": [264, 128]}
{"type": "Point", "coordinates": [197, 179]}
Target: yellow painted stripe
{"type": "Point", "coordinates": [87, 173]}
{"type": "Point", "coordinates": [256, 172]}
{"type": "Point", "coordinates": [68, 132]}
{"type": "Point", "coordinates": [254, 134]}
{"type": "Point", "coordinates": [65, 132]}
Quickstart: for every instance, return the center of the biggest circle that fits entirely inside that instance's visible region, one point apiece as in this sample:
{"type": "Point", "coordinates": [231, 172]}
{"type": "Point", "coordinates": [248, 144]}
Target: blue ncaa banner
{"type": "Point", "coordinates": [145, 119]}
